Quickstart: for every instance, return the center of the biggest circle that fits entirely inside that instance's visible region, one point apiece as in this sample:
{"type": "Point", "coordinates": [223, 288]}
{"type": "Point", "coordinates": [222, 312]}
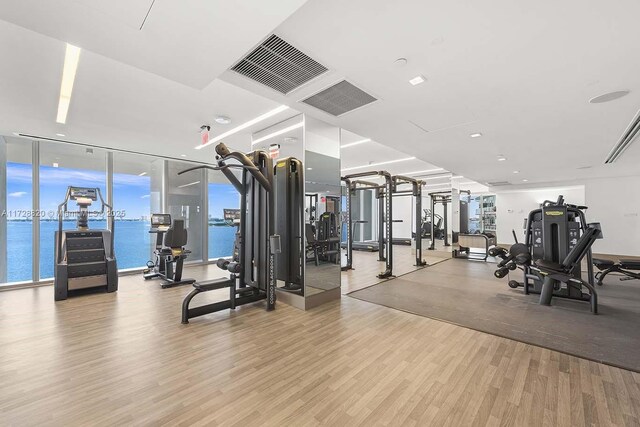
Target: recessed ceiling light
{"type": "Point", "coordinates": [223, 120]}
{"type": "Point", "coordinates": [60, 134]}
{"type": "Point", "coordinates": [55, 165]}
{"type": "Point", "coordinates": [245, 125]}
{"type": "Point", "coordinates": [501, 158]}
{"type": "Point", "coordinates": [611, 96]}
{"type": "Point", "coordinates": [476, 135]}
{"type": "Point", "coordinates": [400, 62]}
{"type": "Point", "coordinates": [525, 180]}
{"type": "Point", "coordinates": [142, 174]}
{"type": "Point", "coordinates": [309, 169]}
{"type": "Point", "coordinates": [417, 80]}
{"type": "Point", "coordinates": [183, 155]}
{"type": "Point", "coordinates": [71, 59]}
{"type": "Point", "coordinates": [516, 171]}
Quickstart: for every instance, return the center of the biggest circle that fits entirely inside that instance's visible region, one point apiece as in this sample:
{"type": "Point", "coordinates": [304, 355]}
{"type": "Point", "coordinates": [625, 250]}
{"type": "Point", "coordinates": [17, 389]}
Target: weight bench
{"type": "Point", "coordinates": [622, 266]}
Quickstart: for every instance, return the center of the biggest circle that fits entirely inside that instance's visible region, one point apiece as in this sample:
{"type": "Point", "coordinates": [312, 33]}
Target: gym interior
{"type": "Point", "coordinates": [305, 212]}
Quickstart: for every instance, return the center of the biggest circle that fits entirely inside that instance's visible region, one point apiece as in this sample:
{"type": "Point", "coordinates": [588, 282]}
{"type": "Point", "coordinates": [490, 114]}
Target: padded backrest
{"type": "Point", "coordinates": [583, 245]}
{"type": "Point", "coordinates": [176, 235]}
{"type": "Point", "coordinates": [310, 234]}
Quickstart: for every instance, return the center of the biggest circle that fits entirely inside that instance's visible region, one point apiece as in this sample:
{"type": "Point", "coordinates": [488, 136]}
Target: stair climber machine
{"type": "Point", "coordinates": [270, 244]}
{"type": "Point", "coordinates": [170, 251]}
{"type": "Point", "coordinates": [557, 239]}
{"type": "Point", "coordinates": [84, 257]}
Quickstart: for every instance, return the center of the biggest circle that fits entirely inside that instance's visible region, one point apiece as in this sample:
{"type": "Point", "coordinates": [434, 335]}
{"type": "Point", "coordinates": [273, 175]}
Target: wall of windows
{"type": "Point", "coordinates": [16, 228]}
{"type": "Point", "coordinates": [62, 166]}
{"type": "Point", "coordinates": [136, 185]}
{"type": "Point", "coordinates": [222, 234]}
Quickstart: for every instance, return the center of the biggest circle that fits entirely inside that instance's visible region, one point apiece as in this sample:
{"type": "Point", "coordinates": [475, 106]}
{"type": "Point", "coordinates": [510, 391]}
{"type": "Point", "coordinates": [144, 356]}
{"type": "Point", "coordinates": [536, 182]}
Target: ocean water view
{"type": "Point", "coordinates": [133, 245]}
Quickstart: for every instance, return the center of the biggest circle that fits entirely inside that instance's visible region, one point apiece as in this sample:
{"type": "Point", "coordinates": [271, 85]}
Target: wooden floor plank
{"type": "Point", "coordinates": [125, 359]}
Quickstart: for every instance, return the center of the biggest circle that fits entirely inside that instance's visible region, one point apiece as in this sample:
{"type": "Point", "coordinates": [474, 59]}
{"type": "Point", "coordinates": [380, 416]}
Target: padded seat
{"type": "Point", "coordinates": [630, 264]}
{"type": "Point", "coordinates": [550, 266]}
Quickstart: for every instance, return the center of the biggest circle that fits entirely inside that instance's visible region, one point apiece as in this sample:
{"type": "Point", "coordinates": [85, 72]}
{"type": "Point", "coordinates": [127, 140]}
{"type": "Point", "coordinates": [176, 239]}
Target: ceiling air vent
{"type": "Point", "coordinates": [498, 183]}
{"type": "Point", "coordinates": [629, 135]}
{"type": "Point", "coordinates": [339, 99]}
{"type": "Point", "coordinates": [277, 64]}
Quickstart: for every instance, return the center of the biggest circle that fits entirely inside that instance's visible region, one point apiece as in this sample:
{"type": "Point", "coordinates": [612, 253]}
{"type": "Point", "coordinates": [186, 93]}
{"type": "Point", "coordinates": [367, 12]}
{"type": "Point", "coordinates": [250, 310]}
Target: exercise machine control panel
{"type": "Point", "coordinates": [160, 222]}
{"type": "Point", "coordinates": [76, 193]}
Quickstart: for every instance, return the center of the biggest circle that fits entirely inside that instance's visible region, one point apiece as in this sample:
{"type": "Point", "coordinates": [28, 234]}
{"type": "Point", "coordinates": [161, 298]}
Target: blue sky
{"type": "Point", "coordinates": [131, 192]}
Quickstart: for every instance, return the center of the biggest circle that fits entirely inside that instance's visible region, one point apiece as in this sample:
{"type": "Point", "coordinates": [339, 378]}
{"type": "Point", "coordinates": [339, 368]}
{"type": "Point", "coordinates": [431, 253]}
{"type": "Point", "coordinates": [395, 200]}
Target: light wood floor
{"type": "Point", "coordinates": [125, 359]}
{"type": "Point", "coordinates": [367, 267]}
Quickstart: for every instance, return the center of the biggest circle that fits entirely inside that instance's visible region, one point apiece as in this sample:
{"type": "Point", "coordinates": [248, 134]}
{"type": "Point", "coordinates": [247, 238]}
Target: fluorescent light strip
{"type": "Point", "coordinates": [71, 59]}
{"type": "Point", "coordinates": [351, 144]}
{"type": "Point", "coordinates": [189, 184]}
{"type": "Point", "coordinates": [245, 125]}
{"type": "Point", "coordinates": [417, 172]}
{"type": "Point", "coordinates": [276, 133]}
{"type": "Point", "coordinates": [388, 162]}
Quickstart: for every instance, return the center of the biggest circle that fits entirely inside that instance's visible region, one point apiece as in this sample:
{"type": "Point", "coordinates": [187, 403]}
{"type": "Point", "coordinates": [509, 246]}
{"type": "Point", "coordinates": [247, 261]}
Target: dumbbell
{"type": "Point", "coordinates": [222, 263]}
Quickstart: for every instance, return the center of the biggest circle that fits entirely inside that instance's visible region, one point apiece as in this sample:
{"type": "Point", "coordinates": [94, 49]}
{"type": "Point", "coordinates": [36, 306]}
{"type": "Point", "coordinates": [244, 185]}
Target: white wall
{"type": "Point", "coordinates": [403, 209]}
{"type": "Point", "coordinates": [613, 202]}
{"type": "Point", "coordinates": [513, 206]}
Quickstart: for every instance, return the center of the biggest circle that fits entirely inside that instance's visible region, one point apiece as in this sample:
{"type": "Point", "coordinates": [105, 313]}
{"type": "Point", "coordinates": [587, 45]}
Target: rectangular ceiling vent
{"type": "Point", "coordinates": [339, 99]}
{"type": "Point", "coordinates": [629, 135]}
{"type": "Point", "coordinates": [278, 65]}
{"type": "Point", "coordinates": [498, 183]}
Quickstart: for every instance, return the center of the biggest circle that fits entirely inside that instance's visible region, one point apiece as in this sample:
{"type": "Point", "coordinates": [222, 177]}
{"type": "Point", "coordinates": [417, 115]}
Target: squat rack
{"type": "Point", "coordinates": [443, 197]}
{"type": "Point", "coordinates": [416, 192]}
{"type": "Point", "coordinates": [385, 192]}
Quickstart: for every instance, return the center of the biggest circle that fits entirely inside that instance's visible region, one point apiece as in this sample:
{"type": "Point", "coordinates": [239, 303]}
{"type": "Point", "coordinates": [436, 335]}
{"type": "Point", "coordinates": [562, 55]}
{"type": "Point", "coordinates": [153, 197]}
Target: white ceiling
{"type": "Point", "coordinates": [118, 102]}
{"type": "Point", "coordinates": [520, 74]}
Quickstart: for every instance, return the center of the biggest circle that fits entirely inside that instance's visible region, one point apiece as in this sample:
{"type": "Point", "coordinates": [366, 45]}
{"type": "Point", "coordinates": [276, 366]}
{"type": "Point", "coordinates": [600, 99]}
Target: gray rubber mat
{"type": "Point", "coordinates": [466, 293]}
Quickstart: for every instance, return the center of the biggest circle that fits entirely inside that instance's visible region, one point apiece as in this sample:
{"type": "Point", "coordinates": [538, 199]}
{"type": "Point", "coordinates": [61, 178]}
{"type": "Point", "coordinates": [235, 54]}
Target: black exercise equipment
{"type": "Point", "coordinates": [623, 266]}
{"type": "Point", "coordinates": [443, 198]}
{"type": "Point", "coordinates": [384, 194]}
{"type": "Point", "coordinates": [416, 193]}
{"type": "Point", "coordinates": [289, 199]}
{"type": "Point", "coordinates": [253, 273]}
{"type": "Point", "coordinates": [551, 253]}
{"type": "Point", "coordinates": [169, 253]}
{"type": "Point", "coordinates": [85, 257]}
{"type": "Point", "coordinates": [568, 270]}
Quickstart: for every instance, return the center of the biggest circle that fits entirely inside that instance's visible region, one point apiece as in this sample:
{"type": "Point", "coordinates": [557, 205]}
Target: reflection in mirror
{"type": "Point", "coordinates": [322, 206]}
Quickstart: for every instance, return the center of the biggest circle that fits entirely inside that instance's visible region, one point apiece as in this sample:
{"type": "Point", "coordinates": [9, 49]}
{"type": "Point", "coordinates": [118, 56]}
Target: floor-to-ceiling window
{"type": "Point", "coordinates": [61, 166]}
{"type": "Point", "coordinates": [221, 232]}
{"type": "Point", "coordinates": [16, 230]}
{"type": "Point", "coordinates": [185, 196]}
{"type": "Point", "coordinates": [137, 186]}
{"type": "Point", "coordinates": [141, 185]}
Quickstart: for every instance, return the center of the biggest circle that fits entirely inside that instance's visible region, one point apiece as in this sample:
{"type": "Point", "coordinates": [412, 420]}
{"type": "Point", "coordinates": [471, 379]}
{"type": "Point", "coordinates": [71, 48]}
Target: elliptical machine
{"type": "Point", "coordinates": [169, 253]}
{"type": "Point", "coordinates": [84, 258]}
